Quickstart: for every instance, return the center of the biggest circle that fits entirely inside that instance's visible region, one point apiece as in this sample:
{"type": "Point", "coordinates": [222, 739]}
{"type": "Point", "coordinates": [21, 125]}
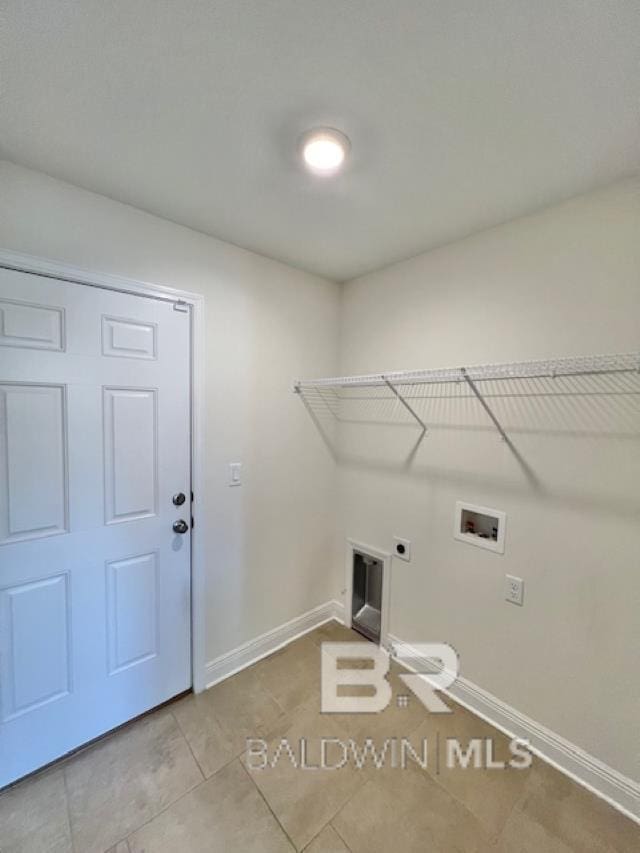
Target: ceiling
{"type": "Point", "coordinates": [461, 114]}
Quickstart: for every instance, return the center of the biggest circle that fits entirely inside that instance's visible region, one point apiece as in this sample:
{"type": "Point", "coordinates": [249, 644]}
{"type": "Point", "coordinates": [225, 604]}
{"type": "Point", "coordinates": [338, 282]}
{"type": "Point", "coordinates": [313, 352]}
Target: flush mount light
{"type": "Point", "coordinates": [324, 150]}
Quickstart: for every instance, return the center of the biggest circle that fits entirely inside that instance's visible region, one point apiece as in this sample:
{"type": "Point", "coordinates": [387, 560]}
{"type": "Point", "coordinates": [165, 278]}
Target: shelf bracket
{"type": "Point", "coordinates": [484, 404]}
{"type": "Point", "coordinates": [406, 405]}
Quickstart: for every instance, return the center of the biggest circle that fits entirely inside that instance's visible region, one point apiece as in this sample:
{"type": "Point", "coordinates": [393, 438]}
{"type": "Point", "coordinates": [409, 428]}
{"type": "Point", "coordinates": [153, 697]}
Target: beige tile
{"type": "Point", "coordinates": [223, 814]}
{"type": "Point", "coordinates": [120, 847]}
{"type": "Point", "coordinates": [34, 817]}
{"type": "Point", "coordinates": [335, 632]}
{"type": "Point", "coordinates": [489, 793]}
{"type": "Point", "coordinates": [407, 810]}
{"type": "Point", "coordinates": [292, 675]}
{"type": "Point", "coordinates": [556, 811]}
{"type": "Point", "coordinates": [122, 782]}
{"type": "Point", "coordinates": [305, 799]}
{"type": "Point", "coordinates": [243, 708]}
{"type": "Point", "coordinates": [522, 835]}
{"type": "Point", "coordinates": [251, 704]}
{"type": "Point", "coordinates": [211, 744]}
{"type": "Point", "coordinates": [328, 841]}
{"type": "Point", "coordinates": [144, 781]}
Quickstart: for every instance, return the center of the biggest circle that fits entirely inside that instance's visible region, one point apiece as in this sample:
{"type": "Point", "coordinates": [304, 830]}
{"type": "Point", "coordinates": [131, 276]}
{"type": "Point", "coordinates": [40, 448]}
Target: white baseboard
{"type": "Point", "coordinates": [242, 656]}
{"type": "Point", "coordinates": [618, 790]}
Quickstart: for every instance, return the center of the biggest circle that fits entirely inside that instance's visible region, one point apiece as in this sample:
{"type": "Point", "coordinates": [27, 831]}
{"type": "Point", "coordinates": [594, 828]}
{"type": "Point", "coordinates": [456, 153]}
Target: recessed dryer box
{"type": "Point", "coordinates": [481, 526]}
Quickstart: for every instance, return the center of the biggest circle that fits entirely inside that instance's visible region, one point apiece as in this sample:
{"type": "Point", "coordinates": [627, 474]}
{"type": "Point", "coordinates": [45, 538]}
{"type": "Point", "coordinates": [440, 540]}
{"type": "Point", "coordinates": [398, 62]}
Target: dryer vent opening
{"type": "Point", "coordinates": [366, 603]}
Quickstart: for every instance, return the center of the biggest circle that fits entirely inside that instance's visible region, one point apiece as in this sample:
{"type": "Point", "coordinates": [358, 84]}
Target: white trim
{"type": "Point", "coordinates": [65, 272]}
{"type": "Point", "coordinates": [616, 789]}
{"type": "Point", "coordinates": [249, 653]}
{"type": "Point", "coordinates": [385, 558]}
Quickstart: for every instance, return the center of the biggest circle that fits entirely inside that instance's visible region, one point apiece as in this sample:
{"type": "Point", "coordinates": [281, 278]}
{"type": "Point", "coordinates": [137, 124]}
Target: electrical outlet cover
{"type": "Point", "coordinates": [514, 590]}
{"type": "Point", "coordinates": [402, 548]}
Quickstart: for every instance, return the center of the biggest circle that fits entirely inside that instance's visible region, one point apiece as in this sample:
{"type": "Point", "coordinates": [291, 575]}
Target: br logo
{"type": "Point", "coordinates": [346, 666]}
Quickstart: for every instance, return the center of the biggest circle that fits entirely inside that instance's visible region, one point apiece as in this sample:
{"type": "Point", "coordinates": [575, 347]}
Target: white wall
{"type": "Point", "coordinates": [564, 282]}
{"type": "Point", "coordinates": [269, 541]}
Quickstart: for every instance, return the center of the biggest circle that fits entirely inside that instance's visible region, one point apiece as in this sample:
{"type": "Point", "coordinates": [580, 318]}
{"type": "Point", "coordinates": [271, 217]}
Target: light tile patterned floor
{"type": "Point", "coordinates": [179, 781]}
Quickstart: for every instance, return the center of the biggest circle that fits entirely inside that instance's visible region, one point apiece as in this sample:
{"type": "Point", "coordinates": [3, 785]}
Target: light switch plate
{"type": "Point", "coordinates": [514, 590]}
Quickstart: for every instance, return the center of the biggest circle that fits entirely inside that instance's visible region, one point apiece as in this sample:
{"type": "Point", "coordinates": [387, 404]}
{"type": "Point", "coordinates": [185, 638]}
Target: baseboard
{"type": "Point", "coordinates": [618, 790]}
{"type": "Point", "coordinates": [242, 656]}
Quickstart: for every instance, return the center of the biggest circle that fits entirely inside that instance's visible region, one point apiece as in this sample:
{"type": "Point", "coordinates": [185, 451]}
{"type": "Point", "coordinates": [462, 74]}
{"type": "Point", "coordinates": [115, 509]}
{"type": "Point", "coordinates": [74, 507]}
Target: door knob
{"type": "Point", "coordinates": [180, 526]}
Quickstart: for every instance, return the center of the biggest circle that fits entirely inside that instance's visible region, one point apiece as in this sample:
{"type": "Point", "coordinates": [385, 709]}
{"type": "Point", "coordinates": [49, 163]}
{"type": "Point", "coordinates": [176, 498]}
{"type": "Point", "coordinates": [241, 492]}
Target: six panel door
{"type": "Point", "coordinates": [94, 582]}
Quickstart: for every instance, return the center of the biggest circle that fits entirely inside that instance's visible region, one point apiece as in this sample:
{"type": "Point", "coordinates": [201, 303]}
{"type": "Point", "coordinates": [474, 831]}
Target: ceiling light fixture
{"type": "Point", "coordinates": [324, 150]}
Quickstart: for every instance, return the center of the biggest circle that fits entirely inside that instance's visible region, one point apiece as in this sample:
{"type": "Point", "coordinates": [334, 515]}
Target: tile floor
{"type": "Point", "coordinates": [180, 781]}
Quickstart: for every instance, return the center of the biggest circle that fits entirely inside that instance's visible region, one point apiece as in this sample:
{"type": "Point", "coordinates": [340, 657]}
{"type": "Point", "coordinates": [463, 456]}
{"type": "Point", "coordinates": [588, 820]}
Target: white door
{"type": "Point", "coordinates": [94, 444]}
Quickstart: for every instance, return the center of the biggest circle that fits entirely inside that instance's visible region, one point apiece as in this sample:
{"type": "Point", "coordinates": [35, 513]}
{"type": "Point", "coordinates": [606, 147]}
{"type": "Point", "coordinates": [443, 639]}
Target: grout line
{"type": "Point", "coordinates": [203, 781]}
{"type": "Point", "coordinates": [365, 777]}
{"type": "Point", "coordinates": [306, 846]}
{"type": "Point", "coordinates": [68, 804]}
{"type": "Point", "coordinates": [519, 799]}
{"type": "Point", "coordinates": [436, 777]}
{"type": "Point", "coordinates": [320, 831]}
{"type": "Point", "coordinates": [335, 829]}
{"type": "Point", "coordinates": [177, 799]}
{"type": "Point", "coordinates": [285, 718]}
{"type": "Point", "coordinates": [65, 762]}
{"type": "Point", "coordinates": [493, 836]}
{"type": "Point", "coordinates": [266, 802]}
{"type": "Point", "coordinates": [274, 700]}
{"type": "Point", "coordinates": [172, 803]}
{"type": "Point", "coordinates": [365, 781]}
{"type": "Point", "coordinates": [186, 740]}
{"type": "Point", "coordinates": [292, 711]}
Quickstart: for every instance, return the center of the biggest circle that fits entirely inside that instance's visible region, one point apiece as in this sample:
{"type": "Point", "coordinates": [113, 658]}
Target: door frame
{"type": "Point", "coordinates": [68, 273]}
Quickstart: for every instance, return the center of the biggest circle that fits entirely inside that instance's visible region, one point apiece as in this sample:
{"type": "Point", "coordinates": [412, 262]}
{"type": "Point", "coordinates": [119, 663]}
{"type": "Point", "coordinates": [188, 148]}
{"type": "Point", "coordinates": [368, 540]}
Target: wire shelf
{"type": "Point", "coordinates": [409, 392]}
{"type": "Point", "coordinates": [547, 368]}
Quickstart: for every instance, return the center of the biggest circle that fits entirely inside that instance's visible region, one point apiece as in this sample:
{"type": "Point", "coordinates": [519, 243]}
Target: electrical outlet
{"type": "Point", "coordinates": [514, 589]}
{"type": "Point", "coordinates": [402, 548]}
